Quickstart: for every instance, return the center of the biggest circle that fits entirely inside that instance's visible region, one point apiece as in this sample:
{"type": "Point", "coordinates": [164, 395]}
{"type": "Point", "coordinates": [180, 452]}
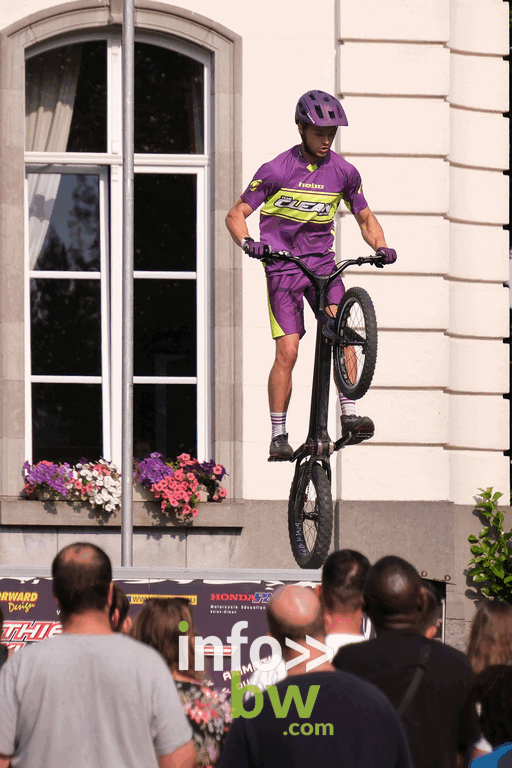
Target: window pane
{"type": "Point", "coordinates": [164, 419]}
{"type": "Point", "coordinates": [66, 422]}
{"type": "Point", "coordinates": [165, 221]}
{"type": "Point", "coordinates": [64, 222]}
{"type": "Point", "coordinates": [165, 328]}
{"type": "Point", "coordinates": [168, 102]}
{"type": "Point", "coordinates": [66, 99]}
{"type": "Point", "coordinates": [65, 327]}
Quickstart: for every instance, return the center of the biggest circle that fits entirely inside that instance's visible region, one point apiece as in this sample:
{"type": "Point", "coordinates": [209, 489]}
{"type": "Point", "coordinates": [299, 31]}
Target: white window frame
{"type": "Point", "coordinates": [200, 165]}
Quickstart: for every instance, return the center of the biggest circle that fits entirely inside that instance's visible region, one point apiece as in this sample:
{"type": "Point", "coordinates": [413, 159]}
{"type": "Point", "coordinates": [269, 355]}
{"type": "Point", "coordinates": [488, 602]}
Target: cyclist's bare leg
{"type": "Point", "coordinates": [280, 378]}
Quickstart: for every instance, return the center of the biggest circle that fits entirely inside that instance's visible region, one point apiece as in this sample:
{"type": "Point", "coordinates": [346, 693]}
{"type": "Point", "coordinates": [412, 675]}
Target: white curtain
{"type": "Point", "coordinates": [50, 98]}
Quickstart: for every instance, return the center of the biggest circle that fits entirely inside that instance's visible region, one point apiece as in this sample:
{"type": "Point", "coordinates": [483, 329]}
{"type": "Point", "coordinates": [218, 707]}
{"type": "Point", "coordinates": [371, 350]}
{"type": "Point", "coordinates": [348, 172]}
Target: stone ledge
{"type": "Point", "coordinates": [21, 512]}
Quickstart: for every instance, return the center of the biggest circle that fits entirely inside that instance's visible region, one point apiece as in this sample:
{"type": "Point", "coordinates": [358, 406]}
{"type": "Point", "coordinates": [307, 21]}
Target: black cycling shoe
{"type": "Point", "coordinates": [280, 449]}
{"type": "Point", "coordinates": [359, 427]}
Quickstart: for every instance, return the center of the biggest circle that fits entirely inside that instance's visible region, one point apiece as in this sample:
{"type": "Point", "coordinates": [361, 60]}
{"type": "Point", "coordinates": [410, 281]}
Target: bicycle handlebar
{"type": "Point", "coordinates": [378, 261]}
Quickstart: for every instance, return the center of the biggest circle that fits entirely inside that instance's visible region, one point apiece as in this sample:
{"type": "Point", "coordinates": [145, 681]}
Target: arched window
{"type": "Point", "coordinates": [73, 146]}
{"type": "Point", "coordinates": [60, 245]}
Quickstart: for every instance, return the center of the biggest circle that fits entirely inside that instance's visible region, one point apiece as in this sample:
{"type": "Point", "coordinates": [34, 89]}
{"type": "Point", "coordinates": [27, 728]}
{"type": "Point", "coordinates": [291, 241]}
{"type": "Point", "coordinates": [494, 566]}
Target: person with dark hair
{"type": "Point", "coordinates": [209, 713]}
{"type": "Point", "coordinates": [344, 575]}
{"type": "Point", "coordinates": [4, 653]}
{"type": "Point", "coordinates": [349, 723]}
{"type": "Point", "coordinates": [424, 679]}
{"type": "Point", "coordinates": [341, 593]}
{"type": "Point", "coordinates": [118, 613]}
{"type": "Point", "coordinates": [492, 690]}
{"type": "Point", "coordinates": [90, 696]}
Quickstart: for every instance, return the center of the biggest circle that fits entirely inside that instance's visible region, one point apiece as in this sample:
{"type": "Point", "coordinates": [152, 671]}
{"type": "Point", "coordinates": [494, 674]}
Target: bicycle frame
{"type": "Point", "coordinates": [318, 443]}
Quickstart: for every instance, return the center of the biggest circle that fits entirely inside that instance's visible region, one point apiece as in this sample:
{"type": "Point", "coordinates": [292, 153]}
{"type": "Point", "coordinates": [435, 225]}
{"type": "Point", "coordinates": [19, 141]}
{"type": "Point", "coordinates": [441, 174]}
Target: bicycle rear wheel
{"type": "Point", "coordinates": [310, 515]}
{"type": "Point", "coordinates": [356, 356]}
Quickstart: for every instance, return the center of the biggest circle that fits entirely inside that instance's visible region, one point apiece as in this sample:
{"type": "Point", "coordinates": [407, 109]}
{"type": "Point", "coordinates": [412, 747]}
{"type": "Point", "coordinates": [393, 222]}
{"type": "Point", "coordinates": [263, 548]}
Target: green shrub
{"type": "Point", "coordinates": [491, 565]}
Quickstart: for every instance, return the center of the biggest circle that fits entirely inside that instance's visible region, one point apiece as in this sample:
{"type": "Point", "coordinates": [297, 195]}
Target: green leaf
{"type": "Point", "coordinates": [507, 579]}
{"type": "Point", "coordinates": [477, 550]}
{"type": "Point", "coordinates": [483, 532]}
{"type": "Point", "coordinates": [480, 578]}
{"type": "Point", "coordinates": [499, 572]}
{"type": "Point", "coordinates": [472, 538]}
{"type": "Point", "coordinates": [497, 496]}
{"type": "Point", "coordinates": [494, 549]}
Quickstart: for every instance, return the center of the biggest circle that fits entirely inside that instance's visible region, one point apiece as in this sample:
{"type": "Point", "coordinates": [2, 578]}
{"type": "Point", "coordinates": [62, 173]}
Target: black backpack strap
{"type": "Point", "coordinates": [416, 680]}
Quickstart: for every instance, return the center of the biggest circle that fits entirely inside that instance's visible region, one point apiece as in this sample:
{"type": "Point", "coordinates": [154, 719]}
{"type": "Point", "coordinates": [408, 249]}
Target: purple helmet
{"type": "Point", "coordinates": [321, 109]}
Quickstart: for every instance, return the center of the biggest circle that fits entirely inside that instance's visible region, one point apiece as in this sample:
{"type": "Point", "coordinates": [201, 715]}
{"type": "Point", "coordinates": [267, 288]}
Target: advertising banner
{"type": "Point", "coordinates": [30, 613]}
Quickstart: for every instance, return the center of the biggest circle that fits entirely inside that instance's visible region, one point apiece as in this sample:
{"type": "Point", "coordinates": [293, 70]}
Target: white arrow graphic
{"type": "Point", "coordinates": [305, 653]}
{"type": "Point", "coordinates": [328, 653]}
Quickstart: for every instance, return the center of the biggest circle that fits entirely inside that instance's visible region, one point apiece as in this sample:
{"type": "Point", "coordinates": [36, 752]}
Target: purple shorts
{"type": "Point", "coordinates": [286, 292]}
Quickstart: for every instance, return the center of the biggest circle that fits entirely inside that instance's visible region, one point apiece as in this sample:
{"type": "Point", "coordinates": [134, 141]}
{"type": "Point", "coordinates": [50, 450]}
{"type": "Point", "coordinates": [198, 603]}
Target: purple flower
{"type": "Point", "coordinates": [52, 475]}
{"type": "Point", "coordinates": [152, 470]}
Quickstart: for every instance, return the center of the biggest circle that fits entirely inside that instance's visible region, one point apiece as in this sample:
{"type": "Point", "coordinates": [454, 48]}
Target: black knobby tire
{"type": "Point", "coordinates": [310, 516]}
{"type": "Point", "coordinates": [354, 364]}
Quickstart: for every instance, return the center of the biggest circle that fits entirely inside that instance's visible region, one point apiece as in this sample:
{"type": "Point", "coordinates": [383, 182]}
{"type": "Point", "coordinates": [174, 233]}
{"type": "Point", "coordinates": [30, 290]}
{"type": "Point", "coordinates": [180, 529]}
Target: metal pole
{"type": "Point", "coordinates": [128, 48]}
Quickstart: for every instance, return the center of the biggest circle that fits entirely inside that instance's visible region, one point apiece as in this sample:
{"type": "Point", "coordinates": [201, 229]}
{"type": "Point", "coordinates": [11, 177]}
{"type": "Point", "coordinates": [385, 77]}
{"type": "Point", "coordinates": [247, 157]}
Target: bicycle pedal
{"type": "Point", "coordinates": [359, 438]}
{"type": "Point", "coordinates": [277, 458]}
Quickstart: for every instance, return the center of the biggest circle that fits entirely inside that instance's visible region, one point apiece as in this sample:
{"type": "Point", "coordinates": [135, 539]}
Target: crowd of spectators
{"type": "Point", "coordinates": [112, 692]}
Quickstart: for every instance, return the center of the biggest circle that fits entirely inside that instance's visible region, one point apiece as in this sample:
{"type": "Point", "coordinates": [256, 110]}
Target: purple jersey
{"type": "Point", "coordinates": [300, 201]}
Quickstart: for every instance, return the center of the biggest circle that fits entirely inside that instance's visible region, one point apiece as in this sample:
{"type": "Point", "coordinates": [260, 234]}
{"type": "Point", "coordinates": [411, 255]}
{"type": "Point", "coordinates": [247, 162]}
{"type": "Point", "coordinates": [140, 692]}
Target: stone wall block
{"type": "Point", "coordinates": [420, 126]}
{"type": "Point", "coordinates": [479, 139]}
{"type": "Point", "coordinates": [478, 252]}
{"type": "Point", "coordinates": [468, 372]}
{"type": "Point", "coordinates": [398, 473]}
{"type": "Point", "coordinates": [471, 470]}
{"type": "Point", "coordinates": [479, 26]}
{"type": "Point", "coordinates": [478, 196]}
{"type": "Point", "coordinates": [479, 421]}
{"type": "Point", "coordinates": [412, 359]}
{"type": "Point", "coordinates": [479, 82]}
{"type": "Point", "coordinates": [404, 185]}
{"type": "Point", "coordinates": [403, 69]}
{"type": "Point", "coordinates": [479, 309]}
{"type": "Point", "coordinates": [395, 20]}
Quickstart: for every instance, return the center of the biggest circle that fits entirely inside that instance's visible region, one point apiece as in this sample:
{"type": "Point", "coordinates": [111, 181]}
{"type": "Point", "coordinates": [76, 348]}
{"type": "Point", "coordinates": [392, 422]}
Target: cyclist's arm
{"type": "Point", "coordinates": [371, 230]}
{"type": "Point", "coordinates": [235, 220]}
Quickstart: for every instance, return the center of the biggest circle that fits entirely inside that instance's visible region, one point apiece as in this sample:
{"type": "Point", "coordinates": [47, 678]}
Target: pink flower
{"type": "Point", "coordinates": [190, 476]}
{"type": "Point", "coordinates": [223, 493]}
{"type": "Point", "coordinates": [217, 470]}
{"type": "Point", "coordinates": [215, 498]}
{"type": "Point", "coordinates": [183, 458]}
{"type": "Point", "coordinates": [88, 487]}
{"type": "Point", "coordinates": [195, 513]}
{"type": "Point", "coordinates": [179, 475]}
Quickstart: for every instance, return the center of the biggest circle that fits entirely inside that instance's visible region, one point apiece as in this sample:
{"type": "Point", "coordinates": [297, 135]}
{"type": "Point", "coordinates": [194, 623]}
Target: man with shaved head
{"type": "Point", "coordinates": [317, 715]}
{"type": "Point", "coordinates": [341, 594]}
{"type": "Point", "coordinates": [440, 729]}
{"type": "Point", "coordinates": [90, 697]}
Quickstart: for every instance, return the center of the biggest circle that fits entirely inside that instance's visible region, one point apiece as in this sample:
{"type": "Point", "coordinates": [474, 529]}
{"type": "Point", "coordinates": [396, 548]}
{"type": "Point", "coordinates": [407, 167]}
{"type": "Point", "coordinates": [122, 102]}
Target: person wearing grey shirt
{"type": "Point", "coordinates": [90, 697]}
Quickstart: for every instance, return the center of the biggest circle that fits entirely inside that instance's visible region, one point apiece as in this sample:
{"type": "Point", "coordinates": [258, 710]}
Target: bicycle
{"type": "Point", "coordinates": [352, 337]}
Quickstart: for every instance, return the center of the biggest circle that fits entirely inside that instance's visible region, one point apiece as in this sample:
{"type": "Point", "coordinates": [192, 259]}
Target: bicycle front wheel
{"type": "Point", "coordinates": [356, 356]}
{"type": "Point", "coordinates": [310, 515]}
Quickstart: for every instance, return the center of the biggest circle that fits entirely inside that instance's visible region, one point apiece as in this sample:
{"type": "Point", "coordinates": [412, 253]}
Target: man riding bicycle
{"type": "Point", "coordinates": [300, 190]}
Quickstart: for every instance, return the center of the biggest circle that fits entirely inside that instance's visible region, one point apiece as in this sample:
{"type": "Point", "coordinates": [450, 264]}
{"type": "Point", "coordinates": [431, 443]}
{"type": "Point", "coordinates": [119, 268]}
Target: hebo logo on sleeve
{"type": "Point", "coordinates": [255, 184]}
{"type": "Point", "coordinates": [310, 205]}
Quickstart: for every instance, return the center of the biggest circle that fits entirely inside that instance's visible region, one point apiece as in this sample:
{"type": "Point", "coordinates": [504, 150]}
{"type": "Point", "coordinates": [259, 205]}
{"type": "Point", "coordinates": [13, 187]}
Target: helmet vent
{"type": "Point", "coordinates": [331, 114]}
{"type": "Point", "coordinates": [318, 110]}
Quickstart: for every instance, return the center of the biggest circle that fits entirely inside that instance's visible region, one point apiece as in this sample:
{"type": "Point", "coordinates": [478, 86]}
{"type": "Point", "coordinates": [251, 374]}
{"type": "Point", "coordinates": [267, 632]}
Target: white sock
{"type": "Point", "coordinates": [278, 423]}
{"type": "Point", "coordinates": [348, 407]}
